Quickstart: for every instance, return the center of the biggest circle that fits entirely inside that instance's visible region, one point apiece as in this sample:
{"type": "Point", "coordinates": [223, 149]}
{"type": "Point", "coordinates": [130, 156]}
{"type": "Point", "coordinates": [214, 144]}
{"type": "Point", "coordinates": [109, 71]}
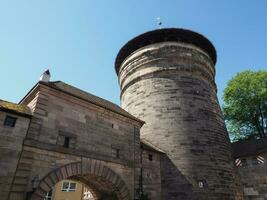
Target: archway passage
{"type": "Point", "coordinates": [72, 190]}
{"type": "Point", "coordinates": [104, 182]}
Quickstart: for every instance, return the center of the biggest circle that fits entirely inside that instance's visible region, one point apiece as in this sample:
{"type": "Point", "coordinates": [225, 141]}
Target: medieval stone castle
{"type": "Point", "coordinates": [168, 140]}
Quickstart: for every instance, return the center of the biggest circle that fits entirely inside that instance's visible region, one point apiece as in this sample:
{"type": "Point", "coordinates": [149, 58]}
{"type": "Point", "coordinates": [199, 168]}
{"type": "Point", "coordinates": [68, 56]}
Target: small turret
{"type": "Point", "coordinates": [45, 76]}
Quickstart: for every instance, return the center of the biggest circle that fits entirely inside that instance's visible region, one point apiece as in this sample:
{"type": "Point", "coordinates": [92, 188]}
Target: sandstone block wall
{"type": "Point", "coordinates": [45, 162]}
{"type": "Point", "coordinates": [171, 87]}
{"type": "Point", "coordinates": [11, 143]}
{"type": "Point", "coordinates": [151, 173]}
{"type": "Point", "coordinates": [93, 132]}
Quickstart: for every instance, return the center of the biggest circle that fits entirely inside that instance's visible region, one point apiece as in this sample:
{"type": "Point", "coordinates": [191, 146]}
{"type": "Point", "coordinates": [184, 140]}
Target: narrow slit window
{"type": "Point", "coordinates": [117, 153]}
{"type": "Point", "coordinates": [150, 157]}
{"type": "Point", "coordinates": [66, 142]}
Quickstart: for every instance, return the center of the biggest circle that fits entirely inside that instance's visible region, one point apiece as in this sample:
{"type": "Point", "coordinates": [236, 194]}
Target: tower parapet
{"type": "Point", "coordinates": [167, 80]}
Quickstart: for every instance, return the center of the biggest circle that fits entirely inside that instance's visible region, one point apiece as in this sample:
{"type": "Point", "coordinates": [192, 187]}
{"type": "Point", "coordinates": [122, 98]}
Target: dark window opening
{"type": "Point", "coordinates": [254, 161]}
{"type": "Point", "coordinates": [117, 153]}
{"type": "Point", "coordinates": [150, 157]}
{"type": "Point", "coordinates": [66, 142]}
{"type": "Point", "coordinates": [10, 121]}
{"type": "Point", "coordinates": [202, 184]}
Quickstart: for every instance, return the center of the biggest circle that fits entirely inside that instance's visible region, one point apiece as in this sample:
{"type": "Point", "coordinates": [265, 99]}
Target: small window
{"type": "Point", "coordinates": [202, 184]}
{"type": "Point", "coordinates": [66, 142]}
{"type": "Point", "coordinates": [254, 161]}
{"type": "Point", "coordinates": [115, 153]}
{"type": "Point", "coordinates": [68, 186]}
{"type": "Point", "coordinates": [115, 126]}
{"type": "Point", "coordinates": [257, 160]}
{"type": "Point", "coordinates": [244, 162]}
{"type": "Point", "coordinates": [10, 121]}
{"type": "Point", "coordinates": [87, 194]}
{"type": "Point", "coordinates": [260, 159]}
{"type": "Point", "coordinates": [238, 162]}
{"type": "Point", "coordinates": [48, 195]}
{"type": "Point", "coordinates": [150, 157]}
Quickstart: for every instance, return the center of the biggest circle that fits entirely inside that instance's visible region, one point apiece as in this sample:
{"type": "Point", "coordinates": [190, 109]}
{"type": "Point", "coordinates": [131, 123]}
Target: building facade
{"type": "Point", "coordinates": [70, 189]}
{"type": "Point", "coordinates": [168, 141]}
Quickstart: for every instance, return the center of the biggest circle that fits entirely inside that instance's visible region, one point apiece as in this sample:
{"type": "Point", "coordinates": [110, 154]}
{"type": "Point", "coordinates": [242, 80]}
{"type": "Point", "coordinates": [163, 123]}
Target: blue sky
{"type": "Point", "coordinates": [78, 40]}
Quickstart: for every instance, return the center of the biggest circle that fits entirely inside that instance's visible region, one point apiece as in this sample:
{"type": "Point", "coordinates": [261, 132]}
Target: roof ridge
{"type": "Point", "coordinates": [84, 91]}
{"type": "Point", "coordinates": [87, 96]}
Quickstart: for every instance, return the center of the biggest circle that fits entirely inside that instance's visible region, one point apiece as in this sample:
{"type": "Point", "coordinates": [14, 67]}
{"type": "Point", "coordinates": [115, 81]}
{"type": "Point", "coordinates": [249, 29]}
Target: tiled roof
{"type": "Point", "coordinates": [249, 147]}
{"type": "Point", "coordinates": [66, 88]}
{"type": "Point", "coordinates": [149, 146]}
{"type": "Point", "coordinates": [15, 108]}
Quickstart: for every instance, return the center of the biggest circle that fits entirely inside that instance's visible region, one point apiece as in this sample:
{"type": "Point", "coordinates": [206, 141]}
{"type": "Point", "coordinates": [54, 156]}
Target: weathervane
{"type": "Point", "coordinates": [159, 22]}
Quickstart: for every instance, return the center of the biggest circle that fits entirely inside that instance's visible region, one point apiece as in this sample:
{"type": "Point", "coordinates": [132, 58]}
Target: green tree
{"type": "Point", "coordinates": [245, 105]}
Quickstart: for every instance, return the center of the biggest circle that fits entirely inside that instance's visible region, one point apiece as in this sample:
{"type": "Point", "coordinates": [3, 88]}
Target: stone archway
{"type": "Point", "coordinates": [91, 172]}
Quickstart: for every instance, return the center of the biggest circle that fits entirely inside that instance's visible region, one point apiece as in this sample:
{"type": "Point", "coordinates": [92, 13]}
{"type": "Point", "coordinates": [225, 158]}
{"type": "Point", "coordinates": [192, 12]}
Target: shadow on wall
{"type": "Point", "coordinates": [181, 188]}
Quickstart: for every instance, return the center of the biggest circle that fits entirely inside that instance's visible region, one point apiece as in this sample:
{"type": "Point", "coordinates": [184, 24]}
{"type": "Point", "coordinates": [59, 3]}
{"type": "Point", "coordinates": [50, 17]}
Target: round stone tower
{"type": "Point", "coordinates": [167, 79]}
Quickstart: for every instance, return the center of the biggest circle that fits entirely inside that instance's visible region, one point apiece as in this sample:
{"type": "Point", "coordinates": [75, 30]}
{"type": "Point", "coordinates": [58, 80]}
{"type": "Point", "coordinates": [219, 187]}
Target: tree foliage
{"type": "Point", "coordinates": [245, 105]}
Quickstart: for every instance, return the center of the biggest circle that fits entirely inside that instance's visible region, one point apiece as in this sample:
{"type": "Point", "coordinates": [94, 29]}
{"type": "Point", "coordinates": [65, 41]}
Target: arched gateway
{"type": "Point", "coordinates": [78, 136]}
{"type": "Point", "coordinates": [102, 180]}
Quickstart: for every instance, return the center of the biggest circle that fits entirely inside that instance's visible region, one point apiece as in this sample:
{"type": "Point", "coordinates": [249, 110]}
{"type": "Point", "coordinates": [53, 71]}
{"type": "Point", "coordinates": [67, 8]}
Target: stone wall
{"type": "Point", "coordinates": [251, 158]}
{"type": "Point", "coordinates": [66, 129]}
{"type": "Point", "coordinates": [11, 140]}
{"type": "Point", "coordinates": [90, 128]}
{"type": "Point", "coordinates": [45, 162]}
{"type": "Point", "coordinates": [253, 175]}
{"type": "Point", "coordinates": [171, 87]}
{"type": "Point", "coordinates": [151, 173]}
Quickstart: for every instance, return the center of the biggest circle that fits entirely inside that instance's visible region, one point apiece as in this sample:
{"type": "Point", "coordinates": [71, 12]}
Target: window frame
{"type": "Point", "coordinates": [48, 195]}
{"type": "Point", "coordinates": [10, 121]}
{"type": "Point", "coordinates": [68, 189]}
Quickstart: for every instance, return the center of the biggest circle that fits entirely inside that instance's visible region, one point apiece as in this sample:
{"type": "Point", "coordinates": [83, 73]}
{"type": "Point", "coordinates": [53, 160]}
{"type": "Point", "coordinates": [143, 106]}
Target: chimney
{"type": "Point", "coordinates": [45, 76]}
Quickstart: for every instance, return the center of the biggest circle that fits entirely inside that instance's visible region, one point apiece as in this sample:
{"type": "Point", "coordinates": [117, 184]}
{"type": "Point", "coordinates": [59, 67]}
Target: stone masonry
{"type": "Point", "coordinates": [250, 158]}
{"type": "Point", "coordinates": [11, 144]}
{"type": "Point", "coordinates": [167, 80]}
{"type": "Point", "coordinates": [72, 134]}
{"type": "Point", "coordinates": [168, 141]}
